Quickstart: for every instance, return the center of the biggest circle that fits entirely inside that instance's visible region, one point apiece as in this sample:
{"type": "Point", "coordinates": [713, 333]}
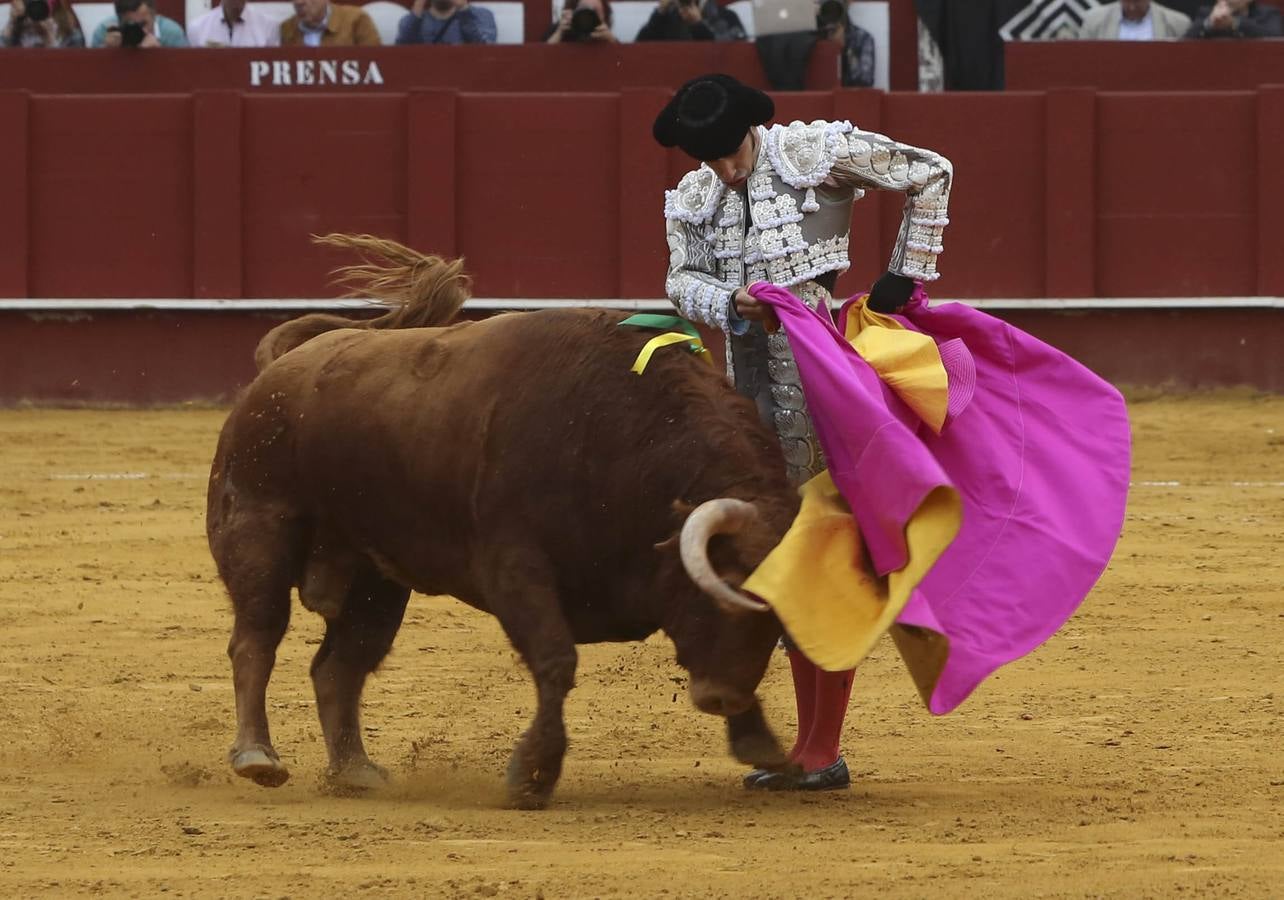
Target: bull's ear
{"type": "Point", "coordinates": [669, 543]}
{"type": "Point", "coordinates": [681, 509]}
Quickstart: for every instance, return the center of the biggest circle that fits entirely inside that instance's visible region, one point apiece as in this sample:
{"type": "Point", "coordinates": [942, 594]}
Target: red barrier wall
{"type": "Point", "coordinates": [214, 194]}
{"type": "Point", "coordinates": [173, 356]}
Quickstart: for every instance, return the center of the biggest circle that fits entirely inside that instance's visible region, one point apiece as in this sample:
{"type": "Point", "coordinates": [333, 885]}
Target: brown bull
{"type": "Point", "coordinates": [515, 463]}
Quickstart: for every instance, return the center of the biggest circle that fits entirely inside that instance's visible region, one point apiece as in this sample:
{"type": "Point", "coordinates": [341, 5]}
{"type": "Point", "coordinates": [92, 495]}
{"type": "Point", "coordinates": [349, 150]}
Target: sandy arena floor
{"type": "Point", "coordinates": [1138, 754]}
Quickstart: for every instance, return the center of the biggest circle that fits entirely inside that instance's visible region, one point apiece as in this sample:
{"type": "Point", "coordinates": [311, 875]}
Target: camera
{"type": "Point", "coordinates": [131, 34]}
{"type": "Point", "coordinates": [584, 21]}
{"type": "Point", "coordinates": [37, 10]}
{"type": "Point", "coordinates": [830, 15]}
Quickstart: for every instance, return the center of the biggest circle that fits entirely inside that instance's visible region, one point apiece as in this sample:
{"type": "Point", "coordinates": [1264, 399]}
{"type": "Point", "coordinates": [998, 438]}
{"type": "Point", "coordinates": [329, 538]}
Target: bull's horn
{"type": "Point", "coordinates": [722, 516]}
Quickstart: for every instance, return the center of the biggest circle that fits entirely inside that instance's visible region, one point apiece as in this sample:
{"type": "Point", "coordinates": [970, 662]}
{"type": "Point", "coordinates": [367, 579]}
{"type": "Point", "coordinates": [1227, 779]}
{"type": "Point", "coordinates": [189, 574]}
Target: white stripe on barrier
{"type": "Point", "coordinates": [127, 476]}
{"type": "Point", "coordinates": [1208, 484]}
{"type": "Point", "coordinates": [183, 476]}
{"type": "Point", "coordinates": [522, 303]}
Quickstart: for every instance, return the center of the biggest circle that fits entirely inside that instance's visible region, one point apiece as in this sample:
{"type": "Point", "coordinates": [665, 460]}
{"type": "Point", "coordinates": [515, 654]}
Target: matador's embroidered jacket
{"type": "Point", "coordinates": [791, 227]}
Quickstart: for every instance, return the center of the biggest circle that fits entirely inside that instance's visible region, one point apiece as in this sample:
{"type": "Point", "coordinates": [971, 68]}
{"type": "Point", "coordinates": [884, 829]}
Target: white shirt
{"type": "Point", "coordinates": [1141, 30]}
{"type": "Point", "coordinates": [312, 36]}
{"type": "Point", "coordinates": [255, 29]}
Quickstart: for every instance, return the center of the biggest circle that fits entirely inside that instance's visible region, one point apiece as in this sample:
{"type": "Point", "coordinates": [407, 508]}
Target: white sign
{"type": "Point", "coordinates": [314, 72]}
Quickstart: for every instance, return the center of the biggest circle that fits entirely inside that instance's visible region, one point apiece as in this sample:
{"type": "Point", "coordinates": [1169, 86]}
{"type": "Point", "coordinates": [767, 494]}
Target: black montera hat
{"type": "Point", "coordinates": [709, 116]}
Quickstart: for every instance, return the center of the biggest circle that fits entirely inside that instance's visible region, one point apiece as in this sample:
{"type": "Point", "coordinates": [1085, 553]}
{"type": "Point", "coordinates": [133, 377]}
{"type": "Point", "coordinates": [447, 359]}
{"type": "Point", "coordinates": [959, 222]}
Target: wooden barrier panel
{"type": "Point", "coordinates": [110, 196]}
{"type": "Point", "coordinates": [994, 245]}
{"type": "Point", "coordinates": [15, 237]}
{"type": "Point", "coordinates": [1177, 195]}
{"type": "Point", "coordinates": [1209, 65]}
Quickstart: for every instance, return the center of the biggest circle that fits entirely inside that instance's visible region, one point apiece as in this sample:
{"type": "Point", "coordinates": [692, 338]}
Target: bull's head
{"type": "Point", "coordinates": [727, 670]}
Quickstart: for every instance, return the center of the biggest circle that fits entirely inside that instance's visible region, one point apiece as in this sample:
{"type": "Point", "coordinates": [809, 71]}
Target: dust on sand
{"type": "Point", "coordinates": [1138, 753]}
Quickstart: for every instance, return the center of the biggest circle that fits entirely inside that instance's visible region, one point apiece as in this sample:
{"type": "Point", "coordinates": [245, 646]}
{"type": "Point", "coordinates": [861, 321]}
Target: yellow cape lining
{"type": "Point", "coordinates": [818, 579]}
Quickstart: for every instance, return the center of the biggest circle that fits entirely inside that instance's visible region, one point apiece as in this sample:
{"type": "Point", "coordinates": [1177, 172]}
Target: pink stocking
{"type": "Point", "coordinates": [805, 675]}
{"type": "Point", "coordinates": [832, 691]}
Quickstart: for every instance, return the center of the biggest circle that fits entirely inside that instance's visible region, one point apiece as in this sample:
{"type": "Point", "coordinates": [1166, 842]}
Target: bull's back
{"type": "Point", "coordinates": [423, 442]}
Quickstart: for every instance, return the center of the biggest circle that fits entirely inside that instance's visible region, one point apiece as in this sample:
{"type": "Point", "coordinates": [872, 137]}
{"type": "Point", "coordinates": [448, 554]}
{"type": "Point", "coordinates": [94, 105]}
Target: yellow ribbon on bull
{"type": "Point", "coordinates": [664, 340]}
{"type": "Point", "coordinates": [818, 579]}
{"type": "Point", "coordinates": [688, 334]}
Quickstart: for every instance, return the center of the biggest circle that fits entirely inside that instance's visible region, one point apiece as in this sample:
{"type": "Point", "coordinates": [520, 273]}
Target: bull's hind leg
{"type": "Point", "coordinates": [521, 594]}
{"type": "Point", "coordinates": [257, 555]}
{"type": "Point", "coordinates": [356, 641]}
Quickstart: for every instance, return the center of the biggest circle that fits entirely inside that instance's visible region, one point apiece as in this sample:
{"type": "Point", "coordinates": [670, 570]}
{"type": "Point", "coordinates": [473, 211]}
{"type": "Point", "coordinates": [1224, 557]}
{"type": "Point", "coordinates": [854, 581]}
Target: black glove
{"type": "Point", "coordinates": [890, 293]}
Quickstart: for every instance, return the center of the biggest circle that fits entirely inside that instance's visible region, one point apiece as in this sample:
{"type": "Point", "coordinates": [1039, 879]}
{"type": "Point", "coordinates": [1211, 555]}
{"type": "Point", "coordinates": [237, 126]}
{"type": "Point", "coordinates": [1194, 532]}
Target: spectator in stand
{"type": "Point", "coordinates": [234, 23]}
{"type": "Point", "coordinates": [137, 24]}
{"type": "Point", "coordinates": [447, 22]}
{"type": "Point", "coordinates": [1133, 20]}
{"type": "Point", "coordinates": [320, 23]}
{"type": "Point", "coordinates": [42, 23]}
{"type": "Point", "coordinates": [582, 21]}
{"type": "Point", "coordinates": [687, 20]}
{"type": "Point", "coordinates": [857, 55]}
{"type": "Point", "coordinates": [1236, 19]}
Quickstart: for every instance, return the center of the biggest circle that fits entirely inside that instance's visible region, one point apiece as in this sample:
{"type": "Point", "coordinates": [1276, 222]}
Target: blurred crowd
{"type": "Point", "coordinates": [322, 23]}
{"type": "Point", "coordinates": [960, 41]}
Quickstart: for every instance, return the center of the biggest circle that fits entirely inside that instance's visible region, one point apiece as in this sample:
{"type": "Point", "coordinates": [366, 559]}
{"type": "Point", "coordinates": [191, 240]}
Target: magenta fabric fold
{"type": "Point", "coordinates": [1037, 446]}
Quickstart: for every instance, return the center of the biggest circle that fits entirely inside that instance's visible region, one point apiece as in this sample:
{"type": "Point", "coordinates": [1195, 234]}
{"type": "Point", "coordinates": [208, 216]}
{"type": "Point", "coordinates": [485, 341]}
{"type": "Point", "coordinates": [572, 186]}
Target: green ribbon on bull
{"type": "Point", "coordinates": [686, 333]}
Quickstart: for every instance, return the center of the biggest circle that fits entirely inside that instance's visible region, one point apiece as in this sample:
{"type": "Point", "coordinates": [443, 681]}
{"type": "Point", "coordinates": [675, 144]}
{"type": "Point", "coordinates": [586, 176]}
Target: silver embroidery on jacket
{"type": "Point", "coordinates": [789, 227]}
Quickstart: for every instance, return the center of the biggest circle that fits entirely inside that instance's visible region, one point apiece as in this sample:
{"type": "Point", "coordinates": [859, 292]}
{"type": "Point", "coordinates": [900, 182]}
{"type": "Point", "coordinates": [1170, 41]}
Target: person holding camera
{"type": "Point", "coordinates": [137, 24]}
{"type": "Point", "coordinates": [856, 56]}
{"type": "Point", "coordinates": [42, 23]}
{"type": "Point", "coordinates": [582, 21]}
{"type": "Point", "coordinates": [447, 22]}
{"type": "Point", "coordinates": [688, 20]}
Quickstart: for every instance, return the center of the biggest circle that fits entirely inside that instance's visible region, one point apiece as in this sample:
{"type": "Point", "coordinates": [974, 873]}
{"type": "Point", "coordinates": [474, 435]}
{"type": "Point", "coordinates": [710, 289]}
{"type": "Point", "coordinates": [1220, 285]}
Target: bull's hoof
{"type": "Point", "coordinates": [261, 765]}
{"type": "Point", "coordinates": [518, 799]}
{"type": "Point", "coordinates": [356, 778]}
{"type": "Point", "coordinates": [758, 750]}
{"type": "Point", "coordinates": [529, 789]}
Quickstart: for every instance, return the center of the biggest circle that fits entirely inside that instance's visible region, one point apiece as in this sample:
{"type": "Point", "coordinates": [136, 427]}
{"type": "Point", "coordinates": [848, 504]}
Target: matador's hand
{"type": "Point", "coordinates": [753, 309]}
{"type": "Point", "coordinates": [890, 293]}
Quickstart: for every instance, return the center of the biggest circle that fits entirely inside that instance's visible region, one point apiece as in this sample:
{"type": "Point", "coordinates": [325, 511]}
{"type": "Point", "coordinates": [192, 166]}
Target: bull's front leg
{"type": "Point", "coordinates": [753, 743]}
{"type": "Point", "coordinates": [536, 764]}
{"type": "Point", "coordinates": [521, 595]}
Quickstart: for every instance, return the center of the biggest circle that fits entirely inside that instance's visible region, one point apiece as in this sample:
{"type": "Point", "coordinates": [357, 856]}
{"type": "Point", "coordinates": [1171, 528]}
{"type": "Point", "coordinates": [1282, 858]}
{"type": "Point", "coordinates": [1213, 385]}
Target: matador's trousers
{"type": "Point", "coordinates": [764, 370]}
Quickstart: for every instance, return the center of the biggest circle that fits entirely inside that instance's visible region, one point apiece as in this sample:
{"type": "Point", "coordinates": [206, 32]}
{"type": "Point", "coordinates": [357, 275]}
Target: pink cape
{"type": "Point", "coordinates": [1038, 450]}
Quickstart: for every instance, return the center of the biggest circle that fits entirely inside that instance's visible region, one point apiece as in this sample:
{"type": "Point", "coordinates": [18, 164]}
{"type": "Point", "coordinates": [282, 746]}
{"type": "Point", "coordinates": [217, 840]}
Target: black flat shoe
{"type": "Point", "coordinates": [755, 775]}
{"type": "Point", "coordinates": [833, 777]}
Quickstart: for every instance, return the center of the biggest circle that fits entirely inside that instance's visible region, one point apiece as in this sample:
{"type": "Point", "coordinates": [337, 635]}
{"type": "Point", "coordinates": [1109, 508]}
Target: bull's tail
{"type": "Point", "coordinates": [423, 291]}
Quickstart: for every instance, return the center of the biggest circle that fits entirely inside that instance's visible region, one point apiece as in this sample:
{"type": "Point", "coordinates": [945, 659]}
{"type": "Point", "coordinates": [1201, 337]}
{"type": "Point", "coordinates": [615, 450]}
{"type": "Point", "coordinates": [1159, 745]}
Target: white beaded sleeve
{"type": "Point", "coordinates": [691, 284]}
{"type": "Point", "coordinates": [874, 160]}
